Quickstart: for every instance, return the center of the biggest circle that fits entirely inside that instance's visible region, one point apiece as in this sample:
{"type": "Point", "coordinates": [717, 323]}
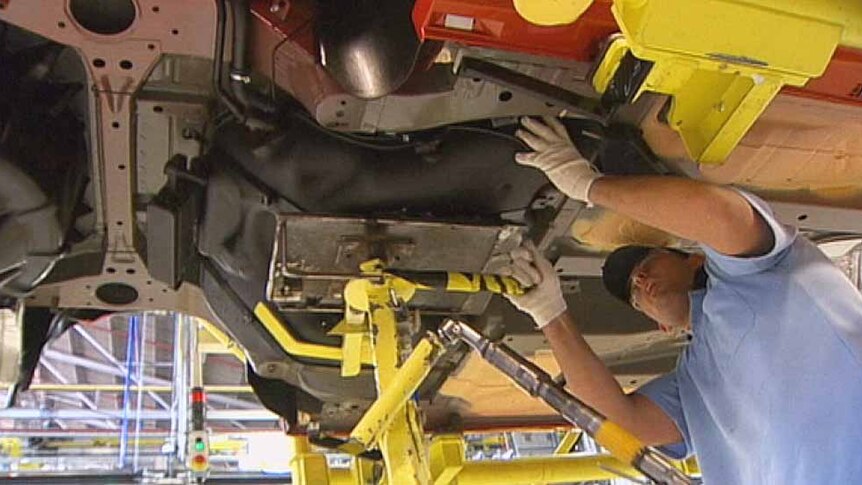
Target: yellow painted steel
{"type": "Point", "coordinates": [723, 61]}
{"type": "Point", "coordinates": [11, 447]}
{"type": "Point", "coordinates": [307, 466]}
{"type": "Point", "coordinates": [552, 469]}
{"type": "Point", "coordinates": [446, 458]}
{"type": "Point", "coordinates": [551, 12]}
{"type": "Point", "coordinates": [403, 442]}
{"type": "Point", "coordinates": [619, 442]}
{"type": "Point", "coordinates": [602, 74]}
{"type": "Point", "coordinates": [354, 327]}
{"type": "Point", "coordinates": [404, 383]}
{"type": "Point", "coordinates": [211, 340]}
{"type": "Point", "coordinates": [690, 466]}
{"type": "Point", "coordinates": [570, 439]}
{"type": "Point", "coordinates": [297, 347]}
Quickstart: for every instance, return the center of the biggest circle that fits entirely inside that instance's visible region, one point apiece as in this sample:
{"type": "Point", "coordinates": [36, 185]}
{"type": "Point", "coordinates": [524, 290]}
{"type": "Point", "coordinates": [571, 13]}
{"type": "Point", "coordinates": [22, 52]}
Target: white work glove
{"type": "Point", "coordinates": [544, 298]}
{"type": "Point", "coordinates": [556, 155]}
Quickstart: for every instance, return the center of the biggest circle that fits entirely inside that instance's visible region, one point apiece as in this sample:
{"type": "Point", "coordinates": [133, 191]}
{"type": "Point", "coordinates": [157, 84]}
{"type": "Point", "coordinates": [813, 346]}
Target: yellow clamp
{"type": "Point", "coordinates": [724, 61]}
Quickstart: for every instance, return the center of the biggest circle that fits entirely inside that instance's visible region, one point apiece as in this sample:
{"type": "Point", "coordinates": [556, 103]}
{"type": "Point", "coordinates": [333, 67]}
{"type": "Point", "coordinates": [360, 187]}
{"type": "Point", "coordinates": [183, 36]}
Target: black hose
{"type": "Point", "coordinates": [218, 64]}
{"type": "Point", "coordinates": [240, 72]}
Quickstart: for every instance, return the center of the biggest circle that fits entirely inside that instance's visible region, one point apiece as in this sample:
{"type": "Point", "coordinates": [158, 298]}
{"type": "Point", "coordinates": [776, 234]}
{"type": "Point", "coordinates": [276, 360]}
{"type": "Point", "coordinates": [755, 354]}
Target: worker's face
{"type": "Point", "coordinates": [660, 285]}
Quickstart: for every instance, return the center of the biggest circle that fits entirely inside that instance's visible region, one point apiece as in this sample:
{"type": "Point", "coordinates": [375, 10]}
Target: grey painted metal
{"type": "Point", "coordinates": [582, 265]}
{"type": "Point", "coordinates": [149, 415]}
{"type": "Point", "coordinates": [311, 244]}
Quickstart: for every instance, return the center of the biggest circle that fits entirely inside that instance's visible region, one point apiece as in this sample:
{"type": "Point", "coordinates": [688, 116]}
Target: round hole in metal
{"type": "Point", "coordinates": [101, 17]}
{"type": "Point", "coordinates": [117, 293]}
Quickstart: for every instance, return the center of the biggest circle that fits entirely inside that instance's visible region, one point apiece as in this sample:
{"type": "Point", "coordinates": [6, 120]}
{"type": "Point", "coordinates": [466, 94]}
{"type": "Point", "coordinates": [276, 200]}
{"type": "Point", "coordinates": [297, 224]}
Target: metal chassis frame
{"type": "Point", "coordinates": [117, 65]}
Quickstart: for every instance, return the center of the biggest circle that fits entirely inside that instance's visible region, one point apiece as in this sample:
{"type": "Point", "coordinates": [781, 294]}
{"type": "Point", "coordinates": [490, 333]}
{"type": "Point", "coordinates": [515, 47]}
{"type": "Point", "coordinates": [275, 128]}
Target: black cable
{"type": "Point", "coordinates": [218, 63]}
{"type": "Point", "coordinates": [348, 138]}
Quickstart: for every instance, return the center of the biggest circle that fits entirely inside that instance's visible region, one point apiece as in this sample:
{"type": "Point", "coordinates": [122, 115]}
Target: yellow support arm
{"type": "Point", "coordinates": [296, 347]}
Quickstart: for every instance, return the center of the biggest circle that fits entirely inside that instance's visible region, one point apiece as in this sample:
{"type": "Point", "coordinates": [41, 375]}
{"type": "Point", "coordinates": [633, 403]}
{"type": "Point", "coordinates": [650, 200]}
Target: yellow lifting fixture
{"type": "Point", "coordinates": [721, 61]}
{"type": "Point", "coordinates": [393, 423]}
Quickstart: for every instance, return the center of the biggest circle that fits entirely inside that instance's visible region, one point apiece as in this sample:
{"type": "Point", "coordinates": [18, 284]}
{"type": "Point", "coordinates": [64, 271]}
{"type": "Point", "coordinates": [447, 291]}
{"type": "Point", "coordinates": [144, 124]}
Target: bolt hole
{"type": "Point", "coordinates": [150, 300]}
{"type": "Point", "coordinates": [339, 114]}
{"type": "Point", "coordinates": [115, 125]}
{"type": "Point", "coordinates": [130, 271]}
{"type": "Point", "coordinates": [126, 64]}
{"type": "Point", "coordinates": [121, 167]}
{"type": "Point", "coordinates": [175, 32]}
{"type": "Point", "coordinates": [88, 287]}
{"type": "Point", "coordinates": [62, 25]}
{"type": "Point", "coordinates": [164, 290]}
{"type": "Point", "coordinates": [119, 223]}
{"type": "Point", "coordinates": [343, 103]}
{"type": "Point", "coordinates": [156, 9]}
{"type": "Point", "coordinates": [99, 63]}
{"type": "Point", "coordinates": [802, 217]}
{"type": "Point", "coordinates": [633, 382]}
{"type": "Point", "coordinates": [111, 270]}
{"type": "Point", "coordinates": [158, 109]}
{"type": "Point", "coordinates": [505, 96]}
{"type": "Point", "coordinates": [549, 105]}
{"type": "Point", "coordinates": [149, 282]}
{"type": "Point", "coordinates": [151, 47]}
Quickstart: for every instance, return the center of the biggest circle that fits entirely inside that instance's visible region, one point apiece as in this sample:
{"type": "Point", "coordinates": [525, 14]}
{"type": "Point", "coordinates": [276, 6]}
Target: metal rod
{"type": "Point", "coordinates": [140, 394]}
{"type": "Point", "coordinates": [127, 394]}
{"type": "Point", "coordinates": [107, 369]}
{"type": "Point", "coordinates": [113, 360]}
{"type": "Point", "coordinates": [75, 388]}
{"type": "Point", "coordinates": [148, 415]}
{"type": "Point", "coordinates": [60, 377]}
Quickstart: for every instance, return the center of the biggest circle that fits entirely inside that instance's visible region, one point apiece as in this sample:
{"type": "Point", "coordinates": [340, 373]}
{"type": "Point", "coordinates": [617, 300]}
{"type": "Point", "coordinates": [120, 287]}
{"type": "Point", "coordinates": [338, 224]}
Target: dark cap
{"type": "Point", "coordinates": [618, 268]}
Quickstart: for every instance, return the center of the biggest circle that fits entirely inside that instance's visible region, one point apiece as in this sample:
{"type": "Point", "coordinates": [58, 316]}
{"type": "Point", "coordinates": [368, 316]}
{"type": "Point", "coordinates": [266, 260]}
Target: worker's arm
{"type": "Point", "coordinates": [590, 380]}
{"type": "Point", "coordinates": [716, 216]}
{"type": "Point", "coordinates": [586, 376]}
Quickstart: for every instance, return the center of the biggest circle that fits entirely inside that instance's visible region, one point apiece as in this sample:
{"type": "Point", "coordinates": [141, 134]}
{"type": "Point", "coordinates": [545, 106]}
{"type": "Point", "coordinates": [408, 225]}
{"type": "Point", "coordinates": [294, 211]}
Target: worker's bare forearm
{"type": "Point", "coordinates": [591, 381]}
{"type": "Point", "coordinates": [716, 216]}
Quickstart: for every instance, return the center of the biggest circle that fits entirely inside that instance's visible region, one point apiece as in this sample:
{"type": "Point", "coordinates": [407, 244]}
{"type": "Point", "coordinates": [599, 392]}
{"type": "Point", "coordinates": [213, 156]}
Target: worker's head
{"type": "Point", "coordinates": [654, 281]}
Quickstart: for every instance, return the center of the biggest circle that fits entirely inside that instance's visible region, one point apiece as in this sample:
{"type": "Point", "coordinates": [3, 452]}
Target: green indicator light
{"type": "Point", "coordinates": [200, 446]}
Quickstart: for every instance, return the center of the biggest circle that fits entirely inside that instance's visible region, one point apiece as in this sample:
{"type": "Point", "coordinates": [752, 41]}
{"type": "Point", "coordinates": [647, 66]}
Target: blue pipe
{"type": "Point", "coordinates": [132, 337]}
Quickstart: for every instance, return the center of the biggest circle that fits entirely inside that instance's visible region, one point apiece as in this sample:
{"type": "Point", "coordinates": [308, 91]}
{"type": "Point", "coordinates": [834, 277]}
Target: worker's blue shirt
{"type": "Point", "coordinates": [769, 391]}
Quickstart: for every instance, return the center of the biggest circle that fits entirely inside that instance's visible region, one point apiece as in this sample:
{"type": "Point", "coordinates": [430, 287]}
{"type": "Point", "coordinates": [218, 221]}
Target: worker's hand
{"type": "Point", "coordinates": [556, 155]}
{"type": "Point", "coordinates": [544, 299]}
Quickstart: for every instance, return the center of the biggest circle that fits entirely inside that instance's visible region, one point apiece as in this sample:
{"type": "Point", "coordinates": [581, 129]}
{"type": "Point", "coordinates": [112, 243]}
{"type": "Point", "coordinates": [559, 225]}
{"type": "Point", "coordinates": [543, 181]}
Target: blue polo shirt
{"type": "Point", "coordinates": [769, 391]}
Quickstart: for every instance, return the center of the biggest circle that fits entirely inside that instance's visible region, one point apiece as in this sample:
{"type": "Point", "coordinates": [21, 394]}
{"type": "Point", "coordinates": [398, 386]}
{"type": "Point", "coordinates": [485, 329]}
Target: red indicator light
{"type": "Point", "coordinates": [200, 459]}
{"type": "Point", "coordinates": [198, 396]}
